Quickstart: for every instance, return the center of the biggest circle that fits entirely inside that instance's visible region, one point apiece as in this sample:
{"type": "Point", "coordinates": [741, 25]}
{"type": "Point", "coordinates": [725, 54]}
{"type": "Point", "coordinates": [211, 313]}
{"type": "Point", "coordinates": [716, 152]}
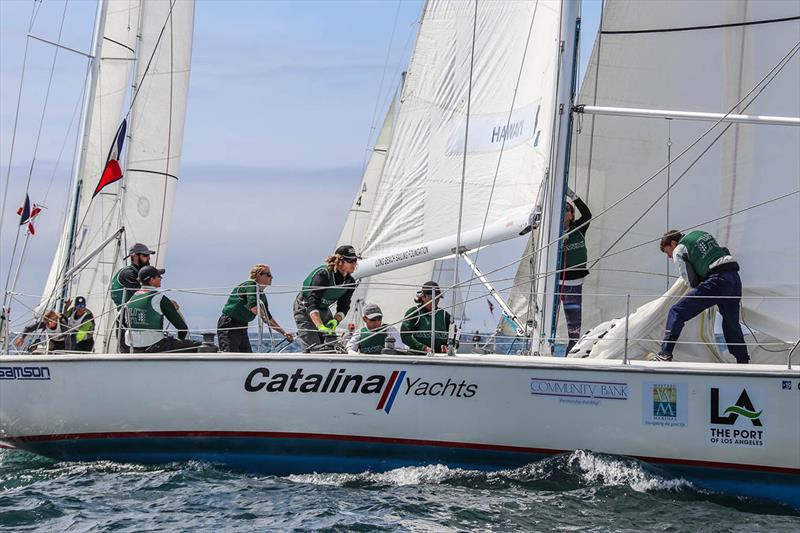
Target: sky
{"type": "Point", "coordinates": [284, 101]}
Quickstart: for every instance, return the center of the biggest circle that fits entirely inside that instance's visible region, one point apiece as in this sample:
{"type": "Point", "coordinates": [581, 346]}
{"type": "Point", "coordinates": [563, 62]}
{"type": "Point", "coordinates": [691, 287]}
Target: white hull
{"type": "Point", "coordinates": [471, 411]}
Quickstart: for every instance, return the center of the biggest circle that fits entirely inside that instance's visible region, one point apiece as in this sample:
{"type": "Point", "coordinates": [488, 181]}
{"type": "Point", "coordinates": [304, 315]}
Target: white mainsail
{"type": "Point", "coordinates": [155, 38]}
{"type": "Point", "coordinates": [512, 93]}
{"type": "Point", "coordinates": [641, 61]}
{"type": "Point", "coordinates": [95, 219]}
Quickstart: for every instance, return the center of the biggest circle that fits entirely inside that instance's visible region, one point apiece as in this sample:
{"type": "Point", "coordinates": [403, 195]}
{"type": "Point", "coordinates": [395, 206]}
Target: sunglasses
{"type": "Point", "coordinates": [348, 260]}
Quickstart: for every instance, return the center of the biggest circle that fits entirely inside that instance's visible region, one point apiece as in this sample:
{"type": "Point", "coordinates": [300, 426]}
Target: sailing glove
{"type": "Point", "coordinates": [322, 328]}
{"type": "Point", "coordinates": [571, 193]}
{"type": "Point", "coordinates": [332, 323]}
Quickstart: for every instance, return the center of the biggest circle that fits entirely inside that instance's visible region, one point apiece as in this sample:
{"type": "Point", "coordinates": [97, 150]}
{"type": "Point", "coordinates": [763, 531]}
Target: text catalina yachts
{"type": "Point", "coordinates": [339, 381]}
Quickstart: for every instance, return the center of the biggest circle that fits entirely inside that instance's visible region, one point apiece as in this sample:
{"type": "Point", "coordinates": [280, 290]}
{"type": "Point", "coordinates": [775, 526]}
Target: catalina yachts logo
{"type": "Point", "coordinates": [340, 381]}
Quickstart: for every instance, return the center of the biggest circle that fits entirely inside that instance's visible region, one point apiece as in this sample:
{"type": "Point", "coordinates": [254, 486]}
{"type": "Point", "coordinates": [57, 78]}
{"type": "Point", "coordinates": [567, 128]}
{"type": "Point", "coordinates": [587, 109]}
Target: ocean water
{"type": "Point", "coordinates": [580, 491]}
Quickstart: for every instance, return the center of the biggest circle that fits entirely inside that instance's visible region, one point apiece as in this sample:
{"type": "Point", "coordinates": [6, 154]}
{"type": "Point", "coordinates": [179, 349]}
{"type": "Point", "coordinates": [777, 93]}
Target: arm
{"type": "Point", "coordinates": [171, 313]}
{"type": "Point", "coordinates": [408, 328]}
{"type": "Point", "coordinates": [582, 222]}
{"type": "Point", "coordinates": [277, 327]}
{"type": "Point", "coordinates": [343, 304]}
{"type": "Point", "coordinates": [353, 343]}
{"type": "Point", "coordinates": [30, 328]}
{"type": "Point", "coordinates": [680, 256]}
{"type": "Point", "coordinates": [320, 282]}
{"type": "Point", "coordinates": [128, 278]}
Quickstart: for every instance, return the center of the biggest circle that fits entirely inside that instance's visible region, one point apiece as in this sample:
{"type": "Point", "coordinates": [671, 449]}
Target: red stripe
{"type": "Point", "coordinates": [387, 391]}
{"type": "Point", "coordinates": [382, 440]}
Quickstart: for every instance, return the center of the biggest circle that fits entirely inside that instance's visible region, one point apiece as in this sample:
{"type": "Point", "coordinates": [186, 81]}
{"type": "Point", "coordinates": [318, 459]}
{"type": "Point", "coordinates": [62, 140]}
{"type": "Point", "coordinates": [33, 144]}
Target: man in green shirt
{"type": "Point", "coordinates": [418, 328]}
{"type": "Point", "coordinates": [371, 339]}
{"type": "Point", "coordinates": [148, 307]}
{"type": "Point", "coordinates": [714, 277]}
{"type": "Point", "coordinates": [246, 302]}
{"type": "Point", "coordinates": [124, 283]}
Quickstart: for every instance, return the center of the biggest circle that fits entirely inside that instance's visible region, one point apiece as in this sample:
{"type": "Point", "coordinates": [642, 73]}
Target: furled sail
{"type": "Point", "coordinates": [699, 56]}
{"type": "Point", "coordinates": [96, 220]}
{"type": "Point", "coordinates": [510, 95]}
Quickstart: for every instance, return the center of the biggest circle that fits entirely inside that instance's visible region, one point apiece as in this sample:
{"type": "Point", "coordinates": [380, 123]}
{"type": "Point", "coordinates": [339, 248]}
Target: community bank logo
{"type": "Point", "coordinates": [579, 392]}
{"type": "Point", "coordinates": [340, 381]}
{"type": "Point", "coordinates": [41, 373]}
{"type": "Point", "coordinates": [736, 417]}
{"type": "Point", "coordinates": [665, 404]}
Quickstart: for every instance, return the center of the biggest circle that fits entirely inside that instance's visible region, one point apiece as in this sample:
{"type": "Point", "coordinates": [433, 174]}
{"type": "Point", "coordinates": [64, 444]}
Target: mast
{"type": "Point", "coordinates": [549, 262]}
{"type": "Point", "coordinates": [88, 105]}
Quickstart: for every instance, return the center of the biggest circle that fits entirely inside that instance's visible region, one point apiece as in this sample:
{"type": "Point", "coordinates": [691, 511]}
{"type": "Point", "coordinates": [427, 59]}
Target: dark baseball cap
{"type": "Point", "coordinates": [140, 248]}
{"type": "Point", "coordinates": [429, 288]}
{"type": "Point", "coordinates": [80, 301]}
{"type": "Point", "coordinates": [347, 252]}
{"type": "Point", "coordinates": [372, 311]}
{"type": "Point", "coordinates": [150, 272]}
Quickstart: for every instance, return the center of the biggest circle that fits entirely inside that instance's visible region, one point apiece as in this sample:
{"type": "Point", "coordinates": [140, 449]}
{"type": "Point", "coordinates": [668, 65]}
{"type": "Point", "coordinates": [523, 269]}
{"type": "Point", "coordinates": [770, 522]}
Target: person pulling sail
{"type": "Point", "coordinates": [147, 309]}
{"type": "Point", "coordinates": [54, 327]}
{"type": "Point", "coordinates": [327, 285]}
{"type": "Point", "coordinates": [372, 337]}
{"type": "Point", "coordinates": [573, 263]}
{"type": "Point", "coordinates": [714, 277]}
{"type": "Point", "coordinates": [125, 282]}
{"type": "Point", "coordinates": [80, 322]}
{"type": "Point", "coordinates": [247, 301]}
{"type": "Point", "coordinates": [417, 324]}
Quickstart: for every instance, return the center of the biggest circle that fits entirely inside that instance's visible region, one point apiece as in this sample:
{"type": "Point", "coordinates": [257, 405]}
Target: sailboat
{"type": "Point", "coordinates": [475, 153]}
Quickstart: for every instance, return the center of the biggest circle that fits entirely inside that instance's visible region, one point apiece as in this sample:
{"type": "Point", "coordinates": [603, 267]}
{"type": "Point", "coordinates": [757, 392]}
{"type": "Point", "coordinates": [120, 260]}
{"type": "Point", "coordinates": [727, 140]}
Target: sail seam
{"type": "Point", "coordinates": [695, 28]}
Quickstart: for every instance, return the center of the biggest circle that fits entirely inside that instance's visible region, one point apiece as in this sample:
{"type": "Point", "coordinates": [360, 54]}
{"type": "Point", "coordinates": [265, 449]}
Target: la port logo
{"type": "Point", "coordinates": [735, 417]}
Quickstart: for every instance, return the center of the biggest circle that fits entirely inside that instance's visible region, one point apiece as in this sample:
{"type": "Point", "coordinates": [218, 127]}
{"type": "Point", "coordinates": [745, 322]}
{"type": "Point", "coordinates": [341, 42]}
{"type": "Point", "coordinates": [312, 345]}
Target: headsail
{"type": "Point", "coordinates": [513, 79]}
{"type": "Point", "coordinates": [699, 56]}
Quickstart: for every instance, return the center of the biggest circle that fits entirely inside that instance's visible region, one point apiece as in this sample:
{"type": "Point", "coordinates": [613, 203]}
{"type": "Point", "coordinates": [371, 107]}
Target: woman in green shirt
{"type": "Point", "coordinates": [242, 307]}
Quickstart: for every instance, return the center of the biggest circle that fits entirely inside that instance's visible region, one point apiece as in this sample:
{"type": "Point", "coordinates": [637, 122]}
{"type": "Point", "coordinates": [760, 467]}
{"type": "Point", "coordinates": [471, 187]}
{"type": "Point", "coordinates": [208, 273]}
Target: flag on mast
{"type": "Point", "coordinates": [491, 306]}
{"type": "Point", "coordinates": [27, 213]}
{"type": "Point", "coordinates": [112, 171]}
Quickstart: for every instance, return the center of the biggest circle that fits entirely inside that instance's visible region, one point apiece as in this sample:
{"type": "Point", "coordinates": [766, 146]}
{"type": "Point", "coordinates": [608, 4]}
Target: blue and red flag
{"type": "Point", "coordinates": [112, 171]}
{"type": "Point", "coordinates": [27, 213]}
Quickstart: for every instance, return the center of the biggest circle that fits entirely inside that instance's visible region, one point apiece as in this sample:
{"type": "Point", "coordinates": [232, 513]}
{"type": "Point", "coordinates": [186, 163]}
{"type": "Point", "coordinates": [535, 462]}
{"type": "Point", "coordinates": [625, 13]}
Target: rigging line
{"type": "Point", "coordinates": [64, 144]}
{"type": "Point", "coordinates": [169, 130]}
{"type": "Point", "coordinates": [457, 255]}
{"type": "Point", "coordinates": [781, 63]}
{"type": "Point", "coordinates": [150, 61]}
{"type": "Point", "coordinates": [499, 157]}
{"type": "Point", "coordinates": [16, 121]}
{"type": "Point", "coordinates": [380, 88]}
{"type": "Point", "coordinates": [692, 164]}
{"type": "Point", "coordinates": [657, 239]}
{"type": "Point", "coordinates": [706, 27]}
{"type": "Point", "coordinates": [594, 97]}
{"type": "Point", "coordinates": [36, 148]}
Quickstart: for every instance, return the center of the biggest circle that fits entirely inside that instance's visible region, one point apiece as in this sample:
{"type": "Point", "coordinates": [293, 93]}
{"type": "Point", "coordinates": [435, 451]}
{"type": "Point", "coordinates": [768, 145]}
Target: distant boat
{"type": "Point", "coordinates": [485, 105]}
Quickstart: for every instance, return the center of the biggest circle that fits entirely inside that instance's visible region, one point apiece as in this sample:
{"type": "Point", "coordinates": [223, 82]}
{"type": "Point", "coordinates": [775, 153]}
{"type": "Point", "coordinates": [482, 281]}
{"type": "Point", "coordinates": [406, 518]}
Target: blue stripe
{"type": "Point", "coordinates": [396, 388]}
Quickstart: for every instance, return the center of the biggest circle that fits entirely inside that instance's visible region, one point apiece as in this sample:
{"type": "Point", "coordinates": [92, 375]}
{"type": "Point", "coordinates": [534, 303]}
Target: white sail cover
{"type": "Point", "coordinates": [513, 83]}
{"type": "Point", "coordinates": [157, 121]}
{"type": "Point", "coordinates": [709, 67]}
{"type": "Point", "coordinates": [97, 219]}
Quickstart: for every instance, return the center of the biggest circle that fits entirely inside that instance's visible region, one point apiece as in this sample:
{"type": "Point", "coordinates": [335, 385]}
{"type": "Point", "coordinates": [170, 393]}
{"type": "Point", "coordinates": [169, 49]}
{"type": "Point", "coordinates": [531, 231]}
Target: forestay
{"type": "Point", "coordinates": [513, 81]}
{"type": "Point", "coordinates": [710, 67]}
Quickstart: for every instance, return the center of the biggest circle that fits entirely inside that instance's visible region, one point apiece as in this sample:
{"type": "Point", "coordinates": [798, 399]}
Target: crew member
{"type": "Point", "coordinates": [417, 324]}
{"type": "Point", "coordinates": [328, 285]}
{"type": "Point", "coordinates": [124, 283]}
{"type": "Point", "coordinates": [147, 309]}
{"type": "Point", "coordinates": [242, 307]}
{"type": "Point", "coordinates": [80, 321]}
{"type": "Point", "coordinates": [713, 274]}
{"type": "Point", "coordinates": [54, 330]}
{"type": "Point", "coordinates": [573, 261]}
{"type": "Point", "coordinates": [372, 337]}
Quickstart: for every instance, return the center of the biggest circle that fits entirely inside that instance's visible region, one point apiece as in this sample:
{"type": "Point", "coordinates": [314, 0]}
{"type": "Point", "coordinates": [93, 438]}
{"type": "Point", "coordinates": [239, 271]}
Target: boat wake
{"type": "Point", "coordinates": [574, 471]}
